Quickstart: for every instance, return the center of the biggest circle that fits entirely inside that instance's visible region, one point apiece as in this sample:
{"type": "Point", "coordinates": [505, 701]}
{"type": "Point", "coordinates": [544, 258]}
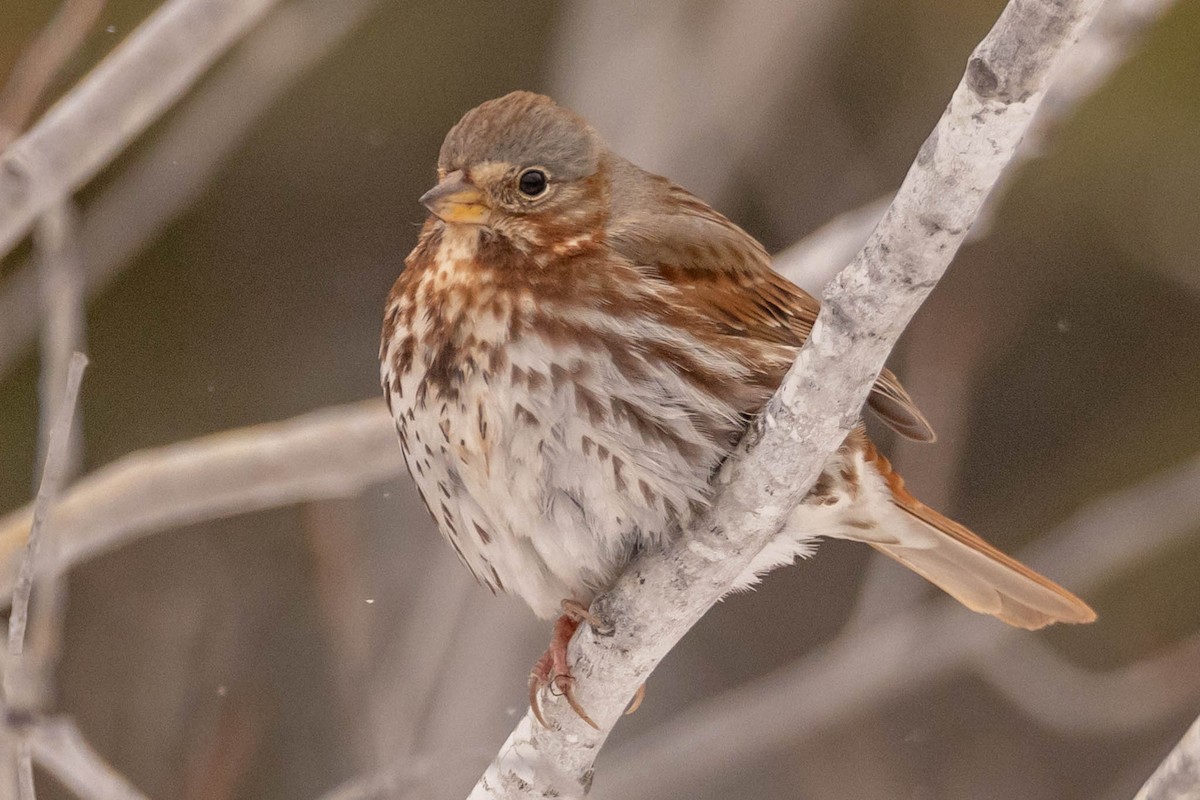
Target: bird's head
{"type": "Point", "coordinates": [525, 168]}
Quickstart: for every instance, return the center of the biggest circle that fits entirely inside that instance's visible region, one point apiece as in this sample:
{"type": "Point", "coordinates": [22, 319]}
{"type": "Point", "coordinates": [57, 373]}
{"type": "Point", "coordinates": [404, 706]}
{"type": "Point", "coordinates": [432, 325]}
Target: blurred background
{"type": "Point", "coordinates": [248, 241]}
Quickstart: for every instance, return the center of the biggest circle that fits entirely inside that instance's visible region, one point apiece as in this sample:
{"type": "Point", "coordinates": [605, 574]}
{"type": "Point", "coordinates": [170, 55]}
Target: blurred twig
{"type": "Point", "coordinates": [41, 61]}
{"type": "Point", "coordinates": [866, 666]}
{"type": "Point", "coordinates": [335, 452]}
{"type": "Point", "coordinates": [60, 749]}
{"type": "Point", "coordinates": [52, 476]}
{"type": "Point", "coordinates": [711, 95]}
{"type": "Point", "coordinates": [1066, 698]}
{"type": "Point", "coordinates": [182, 160]}
{"type": "Point", "coordinates": [1178, 777]}
{"type": "Point", "coordinates": [117, 100]}
{"type": "Point", "coordinates": [60, 281]}
{"type": "Point", "coordinates": [25, 678]}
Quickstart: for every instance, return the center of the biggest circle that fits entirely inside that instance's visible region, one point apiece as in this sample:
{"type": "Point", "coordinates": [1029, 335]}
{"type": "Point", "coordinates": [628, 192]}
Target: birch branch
{"type": "Point", "coordinates": [1178, 777]}
{"type": "Point", "coordinates": [1113, 37]}
{"type": "Point", "coordinates": [865, 666]}
{"type": "Point", "coordinates": [1109, 41]}
{"type": "Point", "coordinates": [865, 309]}
{"type": "Point", "coordinates": [117, 100]}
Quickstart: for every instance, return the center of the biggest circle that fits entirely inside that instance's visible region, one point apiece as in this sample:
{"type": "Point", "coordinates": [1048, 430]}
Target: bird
{"type": "Point", "coordinates": [574, 347]}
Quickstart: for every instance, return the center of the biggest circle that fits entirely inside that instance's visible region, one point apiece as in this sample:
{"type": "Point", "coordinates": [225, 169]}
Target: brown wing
{"type": "Point", "coordinates": [727, 275]}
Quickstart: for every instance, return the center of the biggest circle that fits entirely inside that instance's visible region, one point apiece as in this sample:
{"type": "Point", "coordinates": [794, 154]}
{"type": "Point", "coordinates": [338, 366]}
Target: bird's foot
{"type": "Point", "coordinates": [553, 670]}
{"type": "Point", "coordinates": [581, 613]}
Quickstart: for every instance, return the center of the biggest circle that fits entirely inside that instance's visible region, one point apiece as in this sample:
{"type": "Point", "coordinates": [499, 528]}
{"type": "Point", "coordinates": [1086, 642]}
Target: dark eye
{"type": "Point", "coordinates": [532, 182]}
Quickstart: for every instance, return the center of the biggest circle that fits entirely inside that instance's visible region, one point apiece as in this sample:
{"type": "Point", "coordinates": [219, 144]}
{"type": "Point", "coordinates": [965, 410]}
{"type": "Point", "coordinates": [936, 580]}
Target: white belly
{"type": "Point", "coordinates": [539, 472]}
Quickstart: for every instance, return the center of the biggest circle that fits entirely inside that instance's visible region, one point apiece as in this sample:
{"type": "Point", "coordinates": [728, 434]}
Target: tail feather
{"type": "Point", "coordinates": [958, 561]}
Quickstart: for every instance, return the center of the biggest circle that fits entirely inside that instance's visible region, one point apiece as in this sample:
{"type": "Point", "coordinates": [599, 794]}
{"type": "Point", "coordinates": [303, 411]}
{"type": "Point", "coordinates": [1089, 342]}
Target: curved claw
{"type": "Point", "coordinates": [552, 668]}
{"type": "Point", "coordinates": [535, 686]}
{"type": "Point", "coordinates": [565, 684]}
{"type": "Point", "coordinates": [636, 703]}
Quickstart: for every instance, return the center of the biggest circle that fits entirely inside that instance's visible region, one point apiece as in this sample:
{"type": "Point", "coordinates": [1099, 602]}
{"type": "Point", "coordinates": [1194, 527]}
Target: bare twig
{"type": "Point", "coordinates": [336, 452]}
{"type": "Point", "coordinates": [52, 476]}
{"type": "Point", "coordinates": [24, 682]}
{"type": "Point", "coordinates": [29, 673]}
{"type": "Point", "coordinates": [130, 89]}
{"type": "Point", "coordinates": [1066, 698]}
{"type": "Point", "coordinates": [58, 747]}
{"type": "Point", "coordinates": [865, 309]}
{"type": "Point", "coordinates": [61, 288]}
{"type": "Point", "coordinates": [899, 654]}
{"type": "Point", "coordinates": [711, 97]}
{"type": "Point", "coordinates": [25, 786]}
{"type": "Point", "coordinates": [118, 222]}
{"type": "Point", "coordinates": [41, 61]}
{"type": "Point", "coordinates": [1178, 777]}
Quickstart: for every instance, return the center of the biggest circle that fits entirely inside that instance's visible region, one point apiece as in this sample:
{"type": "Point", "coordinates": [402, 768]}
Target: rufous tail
{"type": "Point", "coordinates": [972, 571]}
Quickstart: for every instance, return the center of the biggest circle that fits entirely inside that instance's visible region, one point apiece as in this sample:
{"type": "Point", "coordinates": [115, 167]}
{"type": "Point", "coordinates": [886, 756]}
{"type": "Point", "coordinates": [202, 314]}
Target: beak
{"type": "Point", "coordinates": [456, 199]}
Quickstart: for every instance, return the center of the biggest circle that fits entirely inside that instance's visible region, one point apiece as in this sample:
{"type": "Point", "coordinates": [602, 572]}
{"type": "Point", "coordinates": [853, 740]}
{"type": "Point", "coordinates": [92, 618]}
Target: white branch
{"type": "Point", "coordinates": [52, 475]}
{"type": "Point", "coordinates": [25, 673]}
{"type": "Point", "coordinates": [1178, 777]}
{"type": "Point", "coordinates": [336, 452]}
{"type": "Point", "coordinates": [1110, 40]}
{"type": "Point", "coordinates": [866, 666]}
{"type": "Point", "coordinates": [58, 746]}
{"type": "Point", "coordinates": [194, 143]}
{"type": "Point", "coordinates": [1069, 699]}
{"type": "Point", "coordinates": [865, 309]}
{"type": "Point", "coordinates": [60, 286]}
{"type": "Point", "coordinates": [117, 100]}
{"type": "Point", "coordinates": [41, 61]}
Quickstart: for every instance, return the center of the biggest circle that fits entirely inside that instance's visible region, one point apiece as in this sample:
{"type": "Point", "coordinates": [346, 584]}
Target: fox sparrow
{"type": "Point", "coordinates": [574, 346]}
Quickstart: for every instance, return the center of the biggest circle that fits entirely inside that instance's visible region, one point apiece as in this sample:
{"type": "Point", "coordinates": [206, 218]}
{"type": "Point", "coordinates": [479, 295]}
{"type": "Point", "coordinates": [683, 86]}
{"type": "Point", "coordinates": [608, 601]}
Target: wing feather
{"type": "Point", "coordinates": [727, 275]}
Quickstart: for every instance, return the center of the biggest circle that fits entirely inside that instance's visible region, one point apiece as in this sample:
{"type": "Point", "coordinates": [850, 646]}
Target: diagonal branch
{"type": "Point", "coordinates": [865, 666]}
{"type": "Point", "coordinates": [867, 306]}
{"type": "Point", "coordinates": [118, 100]}
{"type": "Point", "coordinates": [40, 63]}
{"type": "Point", "coordinates": [1119, 28]}
{"type": "Point", "coordinates": [186, 153]}
{"type": "Point", "coordinates": [1178, 777]}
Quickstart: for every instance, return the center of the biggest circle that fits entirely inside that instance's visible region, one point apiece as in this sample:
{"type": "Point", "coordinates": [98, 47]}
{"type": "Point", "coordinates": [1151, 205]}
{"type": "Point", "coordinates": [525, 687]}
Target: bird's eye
{"type": "Point", "coordinates": [532, 182]}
